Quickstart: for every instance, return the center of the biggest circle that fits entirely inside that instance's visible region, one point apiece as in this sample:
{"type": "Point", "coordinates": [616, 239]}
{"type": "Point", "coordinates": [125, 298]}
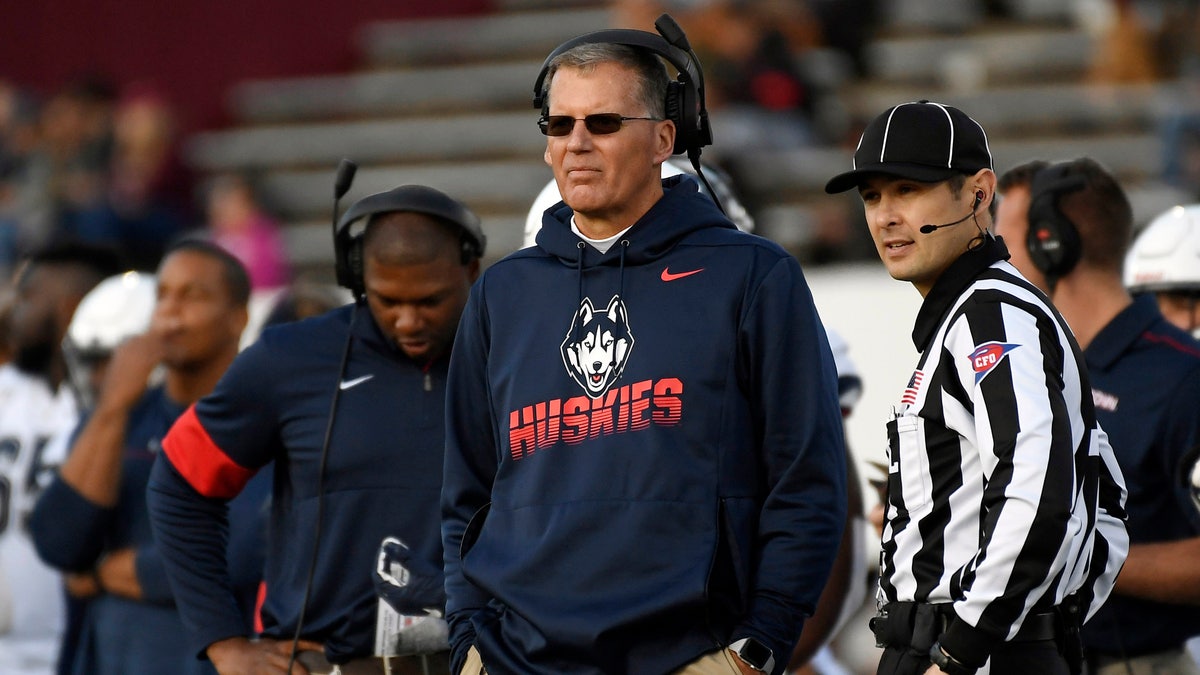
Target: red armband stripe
{"type": "Point", "coordinates": [200, 461]}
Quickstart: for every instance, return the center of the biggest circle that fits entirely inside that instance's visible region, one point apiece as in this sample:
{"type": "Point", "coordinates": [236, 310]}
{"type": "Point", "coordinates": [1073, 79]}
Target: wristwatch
{"type": "Point", "coordinates": [948, 664]}
{"type": "Point", "coordinates": [754, 654]}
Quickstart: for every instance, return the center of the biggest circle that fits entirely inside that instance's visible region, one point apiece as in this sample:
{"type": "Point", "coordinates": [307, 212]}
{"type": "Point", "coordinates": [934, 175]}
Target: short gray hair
{"type": "Point", "coordinates": [651, 73]}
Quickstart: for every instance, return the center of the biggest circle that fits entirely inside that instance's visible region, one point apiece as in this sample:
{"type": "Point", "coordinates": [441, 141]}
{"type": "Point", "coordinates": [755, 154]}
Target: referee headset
{"type": "Point", "coordinates": [348, 262]}
{"type": "Point", "coordinates": [1052, 239]}
{"type": "Point", "coordinates": [684, 104]}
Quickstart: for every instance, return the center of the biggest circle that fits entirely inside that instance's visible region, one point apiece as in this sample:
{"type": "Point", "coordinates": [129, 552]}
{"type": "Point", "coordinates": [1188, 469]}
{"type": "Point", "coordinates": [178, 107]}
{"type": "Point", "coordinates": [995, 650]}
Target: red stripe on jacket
{"type": "Point", "coordinates": [200, 461]}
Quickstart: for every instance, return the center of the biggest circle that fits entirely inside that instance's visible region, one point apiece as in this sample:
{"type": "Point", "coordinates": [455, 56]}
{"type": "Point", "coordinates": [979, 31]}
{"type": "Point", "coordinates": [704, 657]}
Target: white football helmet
{"type": "Point", "coordinates": [1166, 255]}
{"type": "Point", "coordinates": [117, 308]}
{"type": "Point", "coordinates": [734, 209]}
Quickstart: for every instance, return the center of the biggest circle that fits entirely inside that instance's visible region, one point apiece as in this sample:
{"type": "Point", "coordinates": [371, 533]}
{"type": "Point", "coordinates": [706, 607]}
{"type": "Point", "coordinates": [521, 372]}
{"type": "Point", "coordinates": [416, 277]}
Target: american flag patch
{"type": "Point", "coordinates": [914, 384]}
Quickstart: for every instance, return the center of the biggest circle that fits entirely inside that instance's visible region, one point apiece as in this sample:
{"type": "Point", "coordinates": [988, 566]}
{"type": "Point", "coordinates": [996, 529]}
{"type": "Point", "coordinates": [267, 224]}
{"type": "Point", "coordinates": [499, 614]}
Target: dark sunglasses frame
{"type": "Point", "coordinates": [598, 124]}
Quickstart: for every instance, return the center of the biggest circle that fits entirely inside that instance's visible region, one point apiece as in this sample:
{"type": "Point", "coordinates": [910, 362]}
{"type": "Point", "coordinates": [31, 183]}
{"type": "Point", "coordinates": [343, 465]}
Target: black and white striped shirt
{"type": "Point", "coordinates": [1003, 493]}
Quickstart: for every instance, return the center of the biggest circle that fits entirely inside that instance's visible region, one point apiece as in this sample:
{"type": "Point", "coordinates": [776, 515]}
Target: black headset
{"type": "Point", "coordinates": [685, 95]}
{"type": "Point", "coordinates": [1052, 240]}
{"type": "Point", "coordinates": [347, 247]}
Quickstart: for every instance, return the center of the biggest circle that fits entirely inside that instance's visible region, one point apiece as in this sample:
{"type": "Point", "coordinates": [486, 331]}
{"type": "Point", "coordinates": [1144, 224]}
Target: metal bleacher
{"type": "Point", "coordinates": [446, 102]}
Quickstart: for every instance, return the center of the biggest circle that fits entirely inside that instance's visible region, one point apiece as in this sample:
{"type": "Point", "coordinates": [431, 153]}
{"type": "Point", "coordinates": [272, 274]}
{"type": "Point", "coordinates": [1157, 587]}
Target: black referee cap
{"type": "Point", "coordinates": [922, 140]}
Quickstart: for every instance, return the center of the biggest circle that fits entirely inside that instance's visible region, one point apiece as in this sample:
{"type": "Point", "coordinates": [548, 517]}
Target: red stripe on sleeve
{"type": "Point", "coordinates": [259, 600]}
{"type": "Point", "coordinates": [198, 459]}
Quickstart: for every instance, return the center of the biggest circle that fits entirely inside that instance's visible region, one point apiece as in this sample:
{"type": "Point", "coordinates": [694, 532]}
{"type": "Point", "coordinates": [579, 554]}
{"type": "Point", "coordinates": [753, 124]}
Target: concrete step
{"type": "Point", "coordinates": [981, 58]}
{"type": "Point", "coordinates": [465, 88]}
{"type": "Point", "coordinates": [494, 186]}
{"type": "Point", "coordinates": [1002, 110]}
{"type": "Point", "coordinates": [767, 177]}
{"type": "Point", "coordinates": [526, 5]}
{"type": "Point", "coordinates": [930, 15]}
{"type": "Point", "coordinates": [507, 36]}
{"type": "Point", "coordinates": [404, 140]}
{"type": "Point", "coordinates": [310, 243]}
{"type": "Point", "coordinates": [796, 224]}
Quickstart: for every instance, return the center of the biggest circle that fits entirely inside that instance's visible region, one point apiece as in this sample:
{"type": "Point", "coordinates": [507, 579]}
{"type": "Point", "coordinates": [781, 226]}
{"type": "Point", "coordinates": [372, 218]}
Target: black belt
{"type": "Point", "coordinates": [900, 623]}
{"type": "Point", "coordinates": [1038, 626]}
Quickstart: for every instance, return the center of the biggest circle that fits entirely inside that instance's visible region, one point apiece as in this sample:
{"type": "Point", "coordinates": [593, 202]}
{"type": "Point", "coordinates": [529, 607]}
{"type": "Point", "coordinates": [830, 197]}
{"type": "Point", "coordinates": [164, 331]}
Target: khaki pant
{"type": "Point", "coordinates": [473, 664]}
{"type": "Point", "coordinates": [719, 662]}
{"type": "Point", "coordinates": [714, 663]}
{"type": "Point", "coordinates": [1171, 662]}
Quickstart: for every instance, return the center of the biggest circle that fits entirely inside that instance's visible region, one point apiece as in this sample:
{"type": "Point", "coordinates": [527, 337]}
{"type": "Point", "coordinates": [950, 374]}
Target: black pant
{"type": "Point", "coordinates": [1025, 658]}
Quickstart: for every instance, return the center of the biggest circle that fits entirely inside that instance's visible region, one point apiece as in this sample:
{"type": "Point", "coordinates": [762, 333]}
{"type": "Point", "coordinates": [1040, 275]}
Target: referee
{"type": "Point", "coordinates": [1004, 517]}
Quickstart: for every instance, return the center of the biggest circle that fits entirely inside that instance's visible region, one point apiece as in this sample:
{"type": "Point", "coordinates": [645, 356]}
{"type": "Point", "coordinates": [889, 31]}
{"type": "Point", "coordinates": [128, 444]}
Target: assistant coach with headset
{"type": "Point", "coordinates": [645, 470]}
{"type": "Point", "coordinates": [350, 406]}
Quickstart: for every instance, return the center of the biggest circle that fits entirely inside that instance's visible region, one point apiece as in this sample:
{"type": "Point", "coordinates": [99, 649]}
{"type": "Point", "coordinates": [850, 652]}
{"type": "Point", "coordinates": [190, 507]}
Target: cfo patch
{"type": "Point", "coordinates": [987, 356]}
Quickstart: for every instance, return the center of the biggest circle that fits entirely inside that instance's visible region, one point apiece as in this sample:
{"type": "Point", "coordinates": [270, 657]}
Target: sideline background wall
{"type": "Point", "coordinates": [875, 314]}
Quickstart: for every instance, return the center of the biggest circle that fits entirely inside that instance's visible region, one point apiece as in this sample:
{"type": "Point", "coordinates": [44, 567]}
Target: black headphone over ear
{"type": "Point", "coordinates": [685, 95]}
{"type": "Point", "coordinates": [347, 247]}
{"type": "Point", "coordinates": [1053, 241]}
{"type": "Point", "coordinates": [978, 200]}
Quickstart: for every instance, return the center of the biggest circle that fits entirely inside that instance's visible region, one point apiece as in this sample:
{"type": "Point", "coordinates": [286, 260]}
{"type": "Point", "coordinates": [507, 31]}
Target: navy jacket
{"type": "Point", "coordinates": [644, 455]}
{"type": "Point", "coordinates": [381, 478]}
{"type": "Point", "coordinates": [1146, 383]}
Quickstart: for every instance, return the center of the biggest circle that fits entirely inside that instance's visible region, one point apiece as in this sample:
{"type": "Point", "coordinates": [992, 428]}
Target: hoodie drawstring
{"type": "Point", "coordinates": [621, 278]}
{"type": "Point", "coordinates": [579, 300]}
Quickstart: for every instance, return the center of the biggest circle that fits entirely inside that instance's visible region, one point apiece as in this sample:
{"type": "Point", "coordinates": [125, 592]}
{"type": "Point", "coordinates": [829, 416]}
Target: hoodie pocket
{"type": "Point", "coordinates": [474, 527]}
{"type": "Point", "coordinates": [730, 578]}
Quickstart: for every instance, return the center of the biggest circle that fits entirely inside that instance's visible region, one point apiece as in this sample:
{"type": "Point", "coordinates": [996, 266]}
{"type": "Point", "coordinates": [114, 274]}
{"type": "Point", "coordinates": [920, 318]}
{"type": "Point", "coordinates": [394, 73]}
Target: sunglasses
{"type": "Point", "coordinates": [598, 124]}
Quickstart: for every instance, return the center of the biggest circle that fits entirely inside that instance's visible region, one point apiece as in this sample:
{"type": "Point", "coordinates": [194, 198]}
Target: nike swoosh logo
{"type": "Point", "coordinates": [346, 384]}
{"type": "Point", "coordinates": [668, 276]}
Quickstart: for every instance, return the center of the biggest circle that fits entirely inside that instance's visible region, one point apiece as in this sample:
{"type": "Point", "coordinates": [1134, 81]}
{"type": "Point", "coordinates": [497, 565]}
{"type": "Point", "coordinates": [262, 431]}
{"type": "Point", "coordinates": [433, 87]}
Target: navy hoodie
{"type": "Point", "coordinates": [644, 454]}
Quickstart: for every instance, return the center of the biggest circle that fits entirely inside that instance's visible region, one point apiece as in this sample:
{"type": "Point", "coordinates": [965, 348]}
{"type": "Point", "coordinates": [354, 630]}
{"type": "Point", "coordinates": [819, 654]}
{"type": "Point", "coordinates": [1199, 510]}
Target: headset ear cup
{"type": "Point", "coordinates": [673, 110]}
{"type": "Point", "coordinates": [1053, 242]}
{"type": "Point", "coordinates": [354, 265]}
{"type": "Point", "coordinates": [467, 249]}
{"type": "Point", "coordinates": [1042, 256]}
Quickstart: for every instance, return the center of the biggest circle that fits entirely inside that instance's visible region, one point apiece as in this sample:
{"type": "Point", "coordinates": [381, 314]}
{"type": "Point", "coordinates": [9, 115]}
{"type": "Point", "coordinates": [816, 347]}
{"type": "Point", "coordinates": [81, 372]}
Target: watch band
{"type": "Point", "coordinates": [754, 654]}
{"type": "Point", "coordinates": [948, 664]}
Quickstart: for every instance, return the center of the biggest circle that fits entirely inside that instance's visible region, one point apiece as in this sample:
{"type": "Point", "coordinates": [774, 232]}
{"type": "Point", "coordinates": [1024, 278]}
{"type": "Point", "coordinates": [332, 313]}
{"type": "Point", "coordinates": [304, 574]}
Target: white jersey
{"type": "Point", "coordinates": [31, 595]}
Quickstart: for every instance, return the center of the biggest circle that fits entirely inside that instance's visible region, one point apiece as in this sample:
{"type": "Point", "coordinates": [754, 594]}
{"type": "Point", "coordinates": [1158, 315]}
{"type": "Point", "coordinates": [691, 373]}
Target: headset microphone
{"type": "Point", "coordinates": [341, 185]}
{"type": "Point", "coordinates": [345, 176]}
{"type": "Point", "coordinates": [929, 229]}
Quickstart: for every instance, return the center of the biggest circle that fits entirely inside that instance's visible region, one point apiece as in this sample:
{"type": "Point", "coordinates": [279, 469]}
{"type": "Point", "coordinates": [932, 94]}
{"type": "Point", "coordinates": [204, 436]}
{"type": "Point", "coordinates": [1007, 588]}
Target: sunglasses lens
{"type": "Point", "coordinates": [603, 123]}
{"type": "Point", "coordinates": [556, 125]}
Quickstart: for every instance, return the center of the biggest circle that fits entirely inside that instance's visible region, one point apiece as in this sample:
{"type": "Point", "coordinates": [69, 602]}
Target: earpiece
{"type": "Point", "coordinates": [978, 199]}
{"type": "Point", "coordinates": [1052, 240]}
{"type": "Point", "coordinates": [347, 246]}
{"type": "Point", "coordinates": [685, 95]}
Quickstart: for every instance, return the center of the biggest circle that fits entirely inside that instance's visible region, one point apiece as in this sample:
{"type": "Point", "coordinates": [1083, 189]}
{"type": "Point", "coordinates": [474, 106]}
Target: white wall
{"type": "Point", "coordinates": [875, 315]}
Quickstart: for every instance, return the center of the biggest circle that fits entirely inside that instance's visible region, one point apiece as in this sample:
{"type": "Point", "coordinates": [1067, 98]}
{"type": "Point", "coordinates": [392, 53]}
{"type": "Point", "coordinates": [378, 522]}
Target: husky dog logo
{"type": "Point", "coordinates": [597, 346]}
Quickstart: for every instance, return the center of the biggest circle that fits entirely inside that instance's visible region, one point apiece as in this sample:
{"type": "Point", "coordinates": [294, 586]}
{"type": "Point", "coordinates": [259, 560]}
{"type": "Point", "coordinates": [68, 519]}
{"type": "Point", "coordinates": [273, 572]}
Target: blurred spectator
{"type": "Point", "coordinates": [1180, 127]}
{"type": "Point", "coordinates": [18, 141]}
{"type": "Point", "coordinates": [145, 203]}
{"type": "Point", "coordinates": [76, 140]}
{"type": "Point", "coordinates": [750, 52]}
{"type": "Point", "coordinates": [238, 223]}
{"type": "Point", "coordinates": [847, 26]}
{"type": "Point", "coordinates": [1123, 52]}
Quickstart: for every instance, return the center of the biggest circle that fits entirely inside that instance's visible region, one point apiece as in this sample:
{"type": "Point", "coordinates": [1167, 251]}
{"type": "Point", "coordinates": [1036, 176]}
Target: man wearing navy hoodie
{"type": "Point", "coordinates": [644, 462]}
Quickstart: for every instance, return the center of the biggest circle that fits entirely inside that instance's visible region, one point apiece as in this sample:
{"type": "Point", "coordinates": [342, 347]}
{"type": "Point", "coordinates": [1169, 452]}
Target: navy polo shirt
{"type": "Point", "coordinates": [1145, 377]}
